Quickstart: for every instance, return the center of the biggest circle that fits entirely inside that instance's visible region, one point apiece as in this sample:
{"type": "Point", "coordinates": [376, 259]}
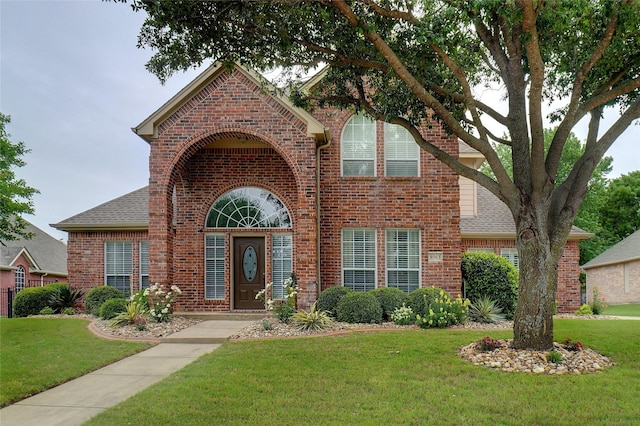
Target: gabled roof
{"type": "Point", "coordinates": [44, 253]}
{"type": "Point", "coordinates": [128, 212]}
{"type": "Point", "coordinates": [148, 129]}
{"type": "Point", "coordinates": [626, 250]}
{"type": "Point", "coordinates": [494, 220]}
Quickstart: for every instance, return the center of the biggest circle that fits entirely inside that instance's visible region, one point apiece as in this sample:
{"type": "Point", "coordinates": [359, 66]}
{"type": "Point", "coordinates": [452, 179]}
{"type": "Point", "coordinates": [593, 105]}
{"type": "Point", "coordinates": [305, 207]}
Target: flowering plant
{"type": "Point", "coordinates": [570, 345]}
{"type": "Point", "coordinates": [403, 315]}
{"type": "Point", "coordinates": [443, 311]}
{"type": "Point", "coordinates": [487, 344]}
{"type": "Point", "coordinates": [282, 308]}
{"type": "Point", "coordinates": [161, 301]}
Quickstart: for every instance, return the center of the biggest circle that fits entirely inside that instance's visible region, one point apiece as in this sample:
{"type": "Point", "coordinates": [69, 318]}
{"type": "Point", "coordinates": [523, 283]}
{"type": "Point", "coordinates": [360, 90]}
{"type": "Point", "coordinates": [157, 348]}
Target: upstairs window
{"type": "Point", "coordinates": [358, 147]}
{"type": "Point", "coordinates": [401, 152]}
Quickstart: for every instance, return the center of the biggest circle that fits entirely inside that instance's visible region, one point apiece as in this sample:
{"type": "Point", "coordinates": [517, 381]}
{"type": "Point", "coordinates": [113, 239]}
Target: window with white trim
{"type": "Point", "coordinates": [19, 276]}
{"type": "Point", "coordinates": [511, 254]}
{"type": "Point", "coordinates": [281, 263]}
{"type": "Point", "coordinates": [401, 152]}
{"type": "Point", "coordinates": [118, 265]}
{"type": "Point", "coordinates": [358, 147]}
{"type": "Point", "coordinates": [359, 259]}
{"type": "Point", "coordinates": [144, 264]}
{"type": "Point", "coordinates": [214, 259]}
{"type": "Point", "coordinates": [403, 259]}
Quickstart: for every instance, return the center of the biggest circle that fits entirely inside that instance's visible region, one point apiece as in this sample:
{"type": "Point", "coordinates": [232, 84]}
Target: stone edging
{"type": "Point", "coordinates": [98, 332]}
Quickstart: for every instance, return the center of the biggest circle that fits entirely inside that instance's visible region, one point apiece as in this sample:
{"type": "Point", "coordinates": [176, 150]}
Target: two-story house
{"type": "Point", "coordinates": [245, 189]}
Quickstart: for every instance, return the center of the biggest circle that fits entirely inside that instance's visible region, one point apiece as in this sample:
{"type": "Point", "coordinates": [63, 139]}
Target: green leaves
{"type": "Point", "coordinates": [15, 194]}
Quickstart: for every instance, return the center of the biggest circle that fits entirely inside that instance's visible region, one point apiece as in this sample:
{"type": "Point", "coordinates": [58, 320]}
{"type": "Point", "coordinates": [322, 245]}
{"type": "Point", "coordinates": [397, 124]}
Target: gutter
{"type": "Point", "coordinates": [327, 138]}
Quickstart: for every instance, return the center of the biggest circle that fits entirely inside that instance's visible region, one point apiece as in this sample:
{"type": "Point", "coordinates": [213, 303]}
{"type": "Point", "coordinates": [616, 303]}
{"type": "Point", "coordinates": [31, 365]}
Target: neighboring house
{"type": "Point", "coordinates": [245, 189]}
{"type": "Point", "coordinates": [616, 272]}
{"type": "Point", "coordinates": [30, 263]}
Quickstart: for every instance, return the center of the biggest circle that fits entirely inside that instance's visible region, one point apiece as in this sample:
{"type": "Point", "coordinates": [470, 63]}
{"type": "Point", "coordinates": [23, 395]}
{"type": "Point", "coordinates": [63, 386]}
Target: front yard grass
{"type": "Point", "coordinates": [39, 353]}
{"type": "Point", "coordinates": [397, 377]}
{"type": "Point", "coordinates": [628, 310]}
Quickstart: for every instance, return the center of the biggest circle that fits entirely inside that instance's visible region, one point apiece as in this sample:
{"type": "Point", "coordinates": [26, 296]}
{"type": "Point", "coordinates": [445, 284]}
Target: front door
{"type": "Point", "coordinates": [248, 269]}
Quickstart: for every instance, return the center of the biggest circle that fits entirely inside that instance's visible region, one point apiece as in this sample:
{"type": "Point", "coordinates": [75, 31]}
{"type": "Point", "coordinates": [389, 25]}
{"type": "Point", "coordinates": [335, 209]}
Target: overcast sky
{"type": "Point", "coordinates": [74, 83]}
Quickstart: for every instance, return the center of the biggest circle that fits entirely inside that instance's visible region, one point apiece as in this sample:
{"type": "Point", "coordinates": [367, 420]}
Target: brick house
{"type": "Point", "coordinates": [616, 272]}
{"type": "Point", "coordinates": [245, 188]}
{"type": "Point", "coordinates": [31, 263]}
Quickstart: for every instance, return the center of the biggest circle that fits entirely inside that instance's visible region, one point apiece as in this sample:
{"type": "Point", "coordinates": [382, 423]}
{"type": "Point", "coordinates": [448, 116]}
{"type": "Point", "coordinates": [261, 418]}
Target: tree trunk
{"type": "Point", "coordinates": [539, 254]}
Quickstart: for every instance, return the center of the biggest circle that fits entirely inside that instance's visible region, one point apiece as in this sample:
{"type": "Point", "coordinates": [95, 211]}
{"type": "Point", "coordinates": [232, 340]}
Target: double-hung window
{"type": "Point", "coordinates": [359, 259]}
{"type": "Point", "coordinates": [358, 147]}
{"type": "Point", "coordinates": [118, 265]}
{"type": "Point", "coordinates": [401, 152]}
{"type": "Point", "coordinates": [511, 254]}
{"type": "Point", "coordinates": [403, 259]}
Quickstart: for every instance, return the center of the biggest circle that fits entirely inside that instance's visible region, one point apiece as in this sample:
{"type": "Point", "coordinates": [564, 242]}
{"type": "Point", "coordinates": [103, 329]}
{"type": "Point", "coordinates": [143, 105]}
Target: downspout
{"type": "Point", "coordinates": [327, 138]}
{"type": "Point", "coordinates": [42, 279]}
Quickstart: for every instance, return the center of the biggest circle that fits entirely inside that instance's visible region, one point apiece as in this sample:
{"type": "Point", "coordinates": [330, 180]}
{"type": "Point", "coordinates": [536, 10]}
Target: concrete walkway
{"type": "Point", "coordinates": [76, 401]}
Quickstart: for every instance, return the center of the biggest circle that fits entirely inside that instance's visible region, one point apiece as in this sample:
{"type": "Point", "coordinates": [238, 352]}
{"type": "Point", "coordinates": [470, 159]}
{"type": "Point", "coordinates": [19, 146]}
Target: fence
{"type": "Point", "coordinates": [6, 301]}
{"type": "Point", "coordinates": [8, 294]}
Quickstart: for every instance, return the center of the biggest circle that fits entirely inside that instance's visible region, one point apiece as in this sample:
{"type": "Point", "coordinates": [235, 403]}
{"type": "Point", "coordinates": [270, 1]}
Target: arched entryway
{"type": "Point", "coordinates": [258, 227]}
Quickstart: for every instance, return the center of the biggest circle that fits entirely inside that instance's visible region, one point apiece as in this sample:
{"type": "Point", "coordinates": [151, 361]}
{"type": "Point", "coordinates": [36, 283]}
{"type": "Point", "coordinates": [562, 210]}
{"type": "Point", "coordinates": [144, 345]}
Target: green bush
{"type": "Point", "coordinates": [492, 276]}
{"type": "Point", "coordinates": [112, 308]}
{"type": "Point", "coordinates": [390, 299]}
{"type": "Point", "coordinates": [330, 297]}
{"type": "Point", "coordinates": [419, 299]}
{"type": "Point", "coordinates": [98, 295]}
{"type": "Point", "coordinates": [356, 307]}
{"type": "Point", "coordinates": [32, 300]}
{"type": "Point", "coordinates": [47, 310]}
{"type": "Point", "coordinates": [64, 297]}
{"type": "Point", "coordinates": [584, 310]}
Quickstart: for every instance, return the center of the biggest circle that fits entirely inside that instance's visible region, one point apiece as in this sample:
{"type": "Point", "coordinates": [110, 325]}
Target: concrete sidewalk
{"type": "Point", "coordinates": [76, 401]}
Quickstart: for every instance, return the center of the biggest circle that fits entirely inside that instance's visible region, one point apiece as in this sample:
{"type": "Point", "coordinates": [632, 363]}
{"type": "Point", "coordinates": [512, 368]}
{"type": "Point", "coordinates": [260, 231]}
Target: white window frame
{"type": "Point", "coordinates": [481, 250]}
{"type": "Point", "coordinates": [357, 125]}
{"type": "Point", "coordinates": [410, 248]}
{"type": "Point", "coordinates": [144, 264]}
{"type": "Point", "coordinates": [361, 259]}
{"type": "Point", "coordinates": [118, 265]}
{"type": "Point", "coordinates": [406, 143]}
{"type": "Point", "coordinates": [511, 254]}
{"type": "Point", "coordinates": [19, 276]}
{"type": "Point", "coordinates": [281, 262]}
{"type": "Point", "coordinates": [215, 285]}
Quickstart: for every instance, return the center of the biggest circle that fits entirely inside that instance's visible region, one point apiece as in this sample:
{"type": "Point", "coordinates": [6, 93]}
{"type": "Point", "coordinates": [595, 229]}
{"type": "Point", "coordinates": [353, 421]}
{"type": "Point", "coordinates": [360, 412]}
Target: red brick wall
{"type": "Point", "coordinates": [429, 202]}
{"type": "Point", "coordinates": [231, 107]}
{"type": "Point", "coordinates": [85, 256]}
{"type": "Point", "coordinates": [568, 292]}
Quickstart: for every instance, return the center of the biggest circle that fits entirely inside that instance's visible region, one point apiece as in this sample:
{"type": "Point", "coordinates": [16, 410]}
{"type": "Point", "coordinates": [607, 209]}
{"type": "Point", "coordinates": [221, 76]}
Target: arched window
{"type": "Point", "coordinates": [248, 207]}
{"type": "Point", "coordinates": [19, 278]}
{"type": "Point", "coordinates": [358, 147]}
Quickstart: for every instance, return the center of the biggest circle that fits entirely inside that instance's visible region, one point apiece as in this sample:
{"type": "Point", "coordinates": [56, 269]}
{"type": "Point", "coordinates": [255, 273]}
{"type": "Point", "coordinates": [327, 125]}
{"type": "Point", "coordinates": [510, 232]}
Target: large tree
{"type": "Point", "coordinates": [620, 212]}
{"type": "Point", "coordinates": [411, 61]}
{"type": "Point", "coordinates": [588, 216]}
{"type": "Point", "coordinates": [15, 195]}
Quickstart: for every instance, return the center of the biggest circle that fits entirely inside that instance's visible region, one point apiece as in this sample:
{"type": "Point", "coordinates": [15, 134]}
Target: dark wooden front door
{"type": "Point", "coordinates": [248, 271]}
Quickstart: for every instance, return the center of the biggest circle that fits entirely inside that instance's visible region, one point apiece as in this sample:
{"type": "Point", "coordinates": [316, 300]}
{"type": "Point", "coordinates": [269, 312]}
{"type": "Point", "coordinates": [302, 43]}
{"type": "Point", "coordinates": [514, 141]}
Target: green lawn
{"type": "Point", "coordinates": [39, 353]}
{"type": "Point", "coordinates": [628, 310]}
{"type": "Point", "coordinates": [410, 377]}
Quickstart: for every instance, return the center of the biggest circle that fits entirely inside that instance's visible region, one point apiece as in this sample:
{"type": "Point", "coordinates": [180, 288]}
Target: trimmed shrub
{"type": "Point", "coordinates": [330, 297]}
{"type": "Point", "coordinates": [112, 308]}
{"type": "Point", "coordinates": [98, 295]}
{"type": "Point", "coordinates": [390, 299]}
{"type": "Point", "coordinates": [356, 307]}
{"type": "Point", "coordinates": [419, 299]}
{"type": "Point", "coordinates": [32, 300]}
{"type": "Point", "coordinates": [491, 276]}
